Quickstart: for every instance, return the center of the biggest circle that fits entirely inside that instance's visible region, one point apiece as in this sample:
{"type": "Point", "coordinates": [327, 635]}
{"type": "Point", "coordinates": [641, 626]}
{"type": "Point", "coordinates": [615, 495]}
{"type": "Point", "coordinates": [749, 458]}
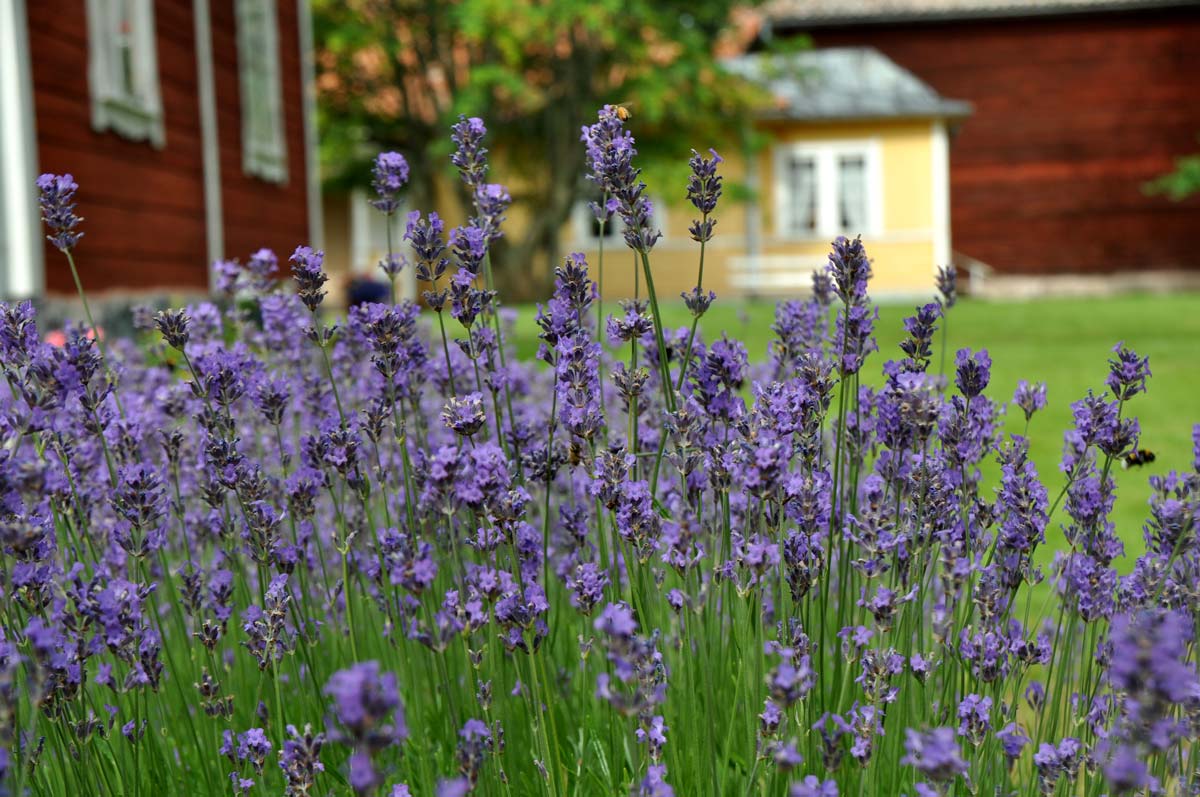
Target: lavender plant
{"type": "Point", "coordinates": [377, 555]}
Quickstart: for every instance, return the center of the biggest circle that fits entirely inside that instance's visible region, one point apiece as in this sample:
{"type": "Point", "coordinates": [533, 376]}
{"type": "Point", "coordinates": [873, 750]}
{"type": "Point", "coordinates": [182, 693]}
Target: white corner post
{"type": "Point", "coordinates": [214, 221]}
{"type": "Point", "coordinates": [940, 142]}
{"type": "Point", "coordinates": [308, 90]}
{"type": "Point", "coordinates": [21, 269]}
{"type": "Point", "coordinates": [753, 212]}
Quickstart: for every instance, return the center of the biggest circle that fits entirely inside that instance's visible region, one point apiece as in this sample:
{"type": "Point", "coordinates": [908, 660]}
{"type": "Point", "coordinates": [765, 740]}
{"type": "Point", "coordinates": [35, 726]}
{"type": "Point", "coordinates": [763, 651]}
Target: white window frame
{"type": "Point", "coordinates": [825, 155]}
{"type": "Point", "coordinates": [264, 138]}
{"type": "Point", "coordinates": [136, 111]}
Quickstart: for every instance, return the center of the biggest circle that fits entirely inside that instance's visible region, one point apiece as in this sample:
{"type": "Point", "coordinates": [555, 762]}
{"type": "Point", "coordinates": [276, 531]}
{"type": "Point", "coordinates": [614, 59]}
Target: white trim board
{"type": "Point", "coordinates": [21, 268]}
{"type": "Point", "coordinates": [941, 194]}
{"type": "Point", "coordinates": [214, 222]}
{"type": "Point", "coordinates": [312, 160]}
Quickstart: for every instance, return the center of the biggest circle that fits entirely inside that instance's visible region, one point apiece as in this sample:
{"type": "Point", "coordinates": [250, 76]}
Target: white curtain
{"type": "Point", "coordinates": [852, 193]}
{"type": "Point", "coordinates": [804, 195]}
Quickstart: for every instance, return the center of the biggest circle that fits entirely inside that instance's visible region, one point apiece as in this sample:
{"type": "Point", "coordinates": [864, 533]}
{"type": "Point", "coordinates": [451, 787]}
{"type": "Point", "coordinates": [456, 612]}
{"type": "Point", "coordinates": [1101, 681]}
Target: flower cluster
{"type": "Point", "coordinates": [645, 561]}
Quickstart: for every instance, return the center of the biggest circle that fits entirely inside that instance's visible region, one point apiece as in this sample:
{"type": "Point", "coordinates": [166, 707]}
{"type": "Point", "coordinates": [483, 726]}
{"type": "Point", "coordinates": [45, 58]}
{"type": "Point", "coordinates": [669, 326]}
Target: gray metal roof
{"type": "Point", "coordinates": [816, 13]}
{"type": "Point", "coordinates": [841, 83]}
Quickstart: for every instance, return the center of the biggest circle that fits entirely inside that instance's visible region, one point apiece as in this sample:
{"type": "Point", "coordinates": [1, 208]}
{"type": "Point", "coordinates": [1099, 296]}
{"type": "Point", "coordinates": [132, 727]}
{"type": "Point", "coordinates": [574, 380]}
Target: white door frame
{"type": "Point", "coordinates": [21, 269]}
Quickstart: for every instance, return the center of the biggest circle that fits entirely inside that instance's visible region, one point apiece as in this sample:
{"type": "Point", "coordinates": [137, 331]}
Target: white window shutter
{"type": "Point", "coordinates": [123, 70]}
{"type": "Point", "coordinates": [264, 140]}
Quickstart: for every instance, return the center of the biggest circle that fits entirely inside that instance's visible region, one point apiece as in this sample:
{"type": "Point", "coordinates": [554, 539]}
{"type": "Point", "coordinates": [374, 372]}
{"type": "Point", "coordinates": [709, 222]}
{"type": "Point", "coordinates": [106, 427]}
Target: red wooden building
{"type": "Point", "coordinates": [1077, 105]}
{"type": "Point", "coordinates": [188, 125]}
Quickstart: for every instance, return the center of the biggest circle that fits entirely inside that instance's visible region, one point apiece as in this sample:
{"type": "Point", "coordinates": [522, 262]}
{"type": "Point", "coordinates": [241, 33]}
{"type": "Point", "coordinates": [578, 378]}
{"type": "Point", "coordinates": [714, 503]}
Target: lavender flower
{"type": "Point", "coordinates": [388, 176]}
{"type": "Point", "coordinates": [309, 276]}
{"type": "Point", "coordinates": [935, 754]}
{"type": "Point", "coordinates": [474, 743]}
{"type": "Point", "coordinates": [300, 760]}
{"type": "Point", "coordinates": [654, 736]}
{"type": "Point", "coordinates": [367, 706]}
{"type": "Point", "coordinates": [812, 786]}
{"type": "Point", "coordinates": [1149, 667]}
{"type": "Point", "coordinates": [921, 328]}
{"type": "Point", "coordinates": [425, 235]}
{"type": "Point", "coordinates": [655, 784]}
{"type": "Point", "coordinates": [1127, 373]}
{"type": "Point", "coordinates": [610, 153]}
{"type": "Point", "coordinates": [703, 191]}
{"type": "Point", "coordinates": [470, 246]}
{"type": "Point", "coordinates": [174, 327]}
{"type": "Point", "coordinates": [492, 200]}
{"type": "Point", "coordinates": [1013, 739]}
{"type": "Point", "coordinates": [947, 285]}
{"type": "Point", "coordinates": [56, 196]}
{"type": "Point", "coordinates": [849, 269]}
{"type": "Point", "coordinates": [1127, 773]}
{"type": "Point", "coordinates": [465, 415]}
{"type": "Point", "coordinates": [974, 371]}
{"type": "Point", "coordinates": [1053, 762]}
{"type": "Point", "coordinates": [469, 157]}
{"type": "Point", "coordinates": [974, 715]}
{"type": "Point", "coordinates": [1030, 398]}
{"type": "Point", "coordinates": [262, 266]}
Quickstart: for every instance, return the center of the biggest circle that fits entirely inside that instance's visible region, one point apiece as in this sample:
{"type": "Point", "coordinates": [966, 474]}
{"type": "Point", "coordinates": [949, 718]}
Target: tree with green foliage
{"type": "Point", "coordinates": [394, 74]}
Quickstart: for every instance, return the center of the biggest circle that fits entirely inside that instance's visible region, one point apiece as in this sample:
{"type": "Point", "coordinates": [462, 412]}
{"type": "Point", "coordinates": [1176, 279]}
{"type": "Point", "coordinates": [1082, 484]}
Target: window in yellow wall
{"type": "Point", "coordinates": [852, 192]}
{"type": "Point", "coordinates": [827, 188]}
{"type": "Point", "coordinates": [802, 191]}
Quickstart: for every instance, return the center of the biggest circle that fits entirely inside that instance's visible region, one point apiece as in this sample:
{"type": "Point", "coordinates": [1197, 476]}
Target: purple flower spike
{"type": "Point", "coordinates": [1030, 398]}
{"type": "Point", "coordinates": [469, 156]}
{"type": "Point", "coordinates": [947, 285]}
{"type": "Point", "coordinates": [388, 176]}
{"type": "Point", "coordinates": [703, 191]}
{"type": "Point", "coordinates": [367, 705]}
{"type": "Point", "coordinates": [812, 786]}
{"type": "Point", "coordinates": [56, 196]}
{"type": "Point", "coordinates": [610, 153]}
{"type": "Point", "coordinates": [973, 373]}
{"type": "Point", "coordinates": [307, 270]}
{"type": "Point", "coordinates": [935, 754]}
{"type": "Point", "coordinates": [1127, 373]}
{"type": "Point", "coordinates": [1013, 739]}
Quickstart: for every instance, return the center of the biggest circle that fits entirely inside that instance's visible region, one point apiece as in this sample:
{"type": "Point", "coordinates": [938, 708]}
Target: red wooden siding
{"type": "Point", "coordinates": [258, 213]}
{"type": "Point", "coordinates": [144, 208]}
{"type": "Point", "coordinates": [1072, 116]}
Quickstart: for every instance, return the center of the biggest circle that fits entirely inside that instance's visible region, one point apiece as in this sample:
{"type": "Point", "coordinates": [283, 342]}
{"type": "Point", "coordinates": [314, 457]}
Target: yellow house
{"type": "Point", "coordinates": [853, 145]}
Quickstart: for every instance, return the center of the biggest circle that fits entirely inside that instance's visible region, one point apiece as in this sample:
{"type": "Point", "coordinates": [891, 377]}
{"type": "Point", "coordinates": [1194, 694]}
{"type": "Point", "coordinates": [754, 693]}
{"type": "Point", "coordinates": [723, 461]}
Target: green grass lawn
{"type": "Point", "coordinates": [1062, 342]}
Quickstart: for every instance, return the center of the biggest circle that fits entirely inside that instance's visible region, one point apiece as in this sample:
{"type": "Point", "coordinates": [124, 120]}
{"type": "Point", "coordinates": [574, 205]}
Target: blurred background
{"type": "Point", "coordinates": [1043, 146]}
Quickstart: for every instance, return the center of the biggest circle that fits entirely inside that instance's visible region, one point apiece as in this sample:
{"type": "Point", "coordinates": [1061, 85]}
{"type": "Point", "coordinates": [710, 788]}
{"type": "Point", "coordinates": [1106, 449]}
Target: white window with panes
{"type": "Point", "coordinates": [827, 189]}
{"type": "Point", "coordinates": [123, 69]}
{"type": "Point", "coordinates": [264, 140]}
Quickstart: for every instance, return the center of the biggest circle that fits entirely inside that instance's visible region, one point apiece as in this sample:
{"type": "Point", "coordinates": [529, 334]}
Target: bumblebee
{"type": "Point", "coordinates": [623, 113]}
{"type": "Point", "coordinates": [1136, 458]}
